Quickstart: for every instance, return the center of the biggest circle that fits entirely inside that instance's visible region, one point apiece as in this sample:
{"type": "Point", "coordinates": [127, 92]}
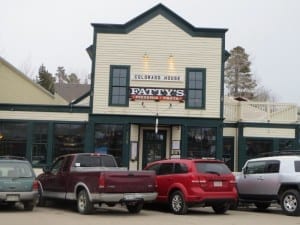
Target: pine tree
{"type": "Point", "coordinates": [238, 77]}
{"type": "Point", "coordinates": [45, 79]}
{"type": "Point", "coordinates": [61, 75]}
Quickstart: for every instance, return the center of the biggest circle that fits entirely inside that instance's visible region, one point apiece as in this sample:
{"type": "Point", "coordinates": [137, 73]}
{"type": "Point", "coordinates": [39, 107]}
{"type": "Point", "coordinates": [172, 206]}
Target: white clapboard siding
{"type": "Point", "coordinates": [45, 116]}
{"type": "Point", "coordinates": [269, 132]}
{"type": "Point", "coordinates": [158, 38]}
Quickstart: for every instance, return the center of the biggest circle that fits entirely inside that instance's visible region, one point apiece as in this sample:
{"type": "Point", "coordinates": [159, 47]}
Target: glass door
{"type": "Point", "coordinates": [154, 146]}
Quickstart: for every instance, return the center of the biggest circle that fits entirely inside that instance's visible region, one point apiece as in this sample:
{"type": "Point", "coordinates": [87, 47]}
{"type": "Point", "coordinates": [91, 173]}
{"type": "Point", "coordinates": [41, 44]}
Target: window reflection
{"type": "Point", "coordinates": [13, 139]}
{"type": "Point", "coordinates": [109, 140]}
{"type": "Point", "coordinates": [69, 138]}
{"type": "Point", "coordinates": [40, 143]}
{"type": "Point", "coordinates": [201, 142]}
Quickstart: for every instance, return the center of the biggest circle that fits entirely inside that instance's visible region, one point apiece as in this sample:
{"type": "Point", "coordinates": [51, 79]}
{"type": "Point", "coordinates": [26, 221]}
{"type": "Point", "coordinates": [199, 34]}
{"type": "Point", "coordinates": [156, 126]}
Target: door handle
{"type": "Point", "coordinates": [260, 178]}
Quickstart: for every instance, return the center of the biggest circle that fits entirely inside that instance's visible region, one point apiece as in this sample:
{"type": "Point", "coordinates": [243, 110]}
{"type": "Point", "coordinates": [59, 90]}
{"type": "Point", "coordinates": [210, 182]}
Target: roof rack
{"type": "Point", "coordinates": [12, 157]}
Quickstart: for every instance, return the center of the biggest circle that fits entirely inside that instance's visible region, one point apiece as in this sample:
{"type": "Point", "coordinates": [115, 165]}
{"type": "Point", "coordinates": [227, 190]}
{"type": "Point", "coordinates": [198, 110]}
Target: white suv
{"type": "Point", "coordinates": [271, 179]}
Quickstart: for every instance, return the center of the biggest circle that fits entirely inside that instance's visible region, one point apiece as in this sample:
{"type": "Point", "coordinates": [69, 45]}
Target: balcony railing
{"type": "Point", "coordinates": [260, 112]}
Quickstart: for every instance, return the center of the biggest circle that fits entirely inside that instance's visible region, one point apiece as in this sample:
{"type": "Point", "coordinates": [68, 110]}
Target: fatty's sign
{"type": "Point", "coordinates": [170, 94]}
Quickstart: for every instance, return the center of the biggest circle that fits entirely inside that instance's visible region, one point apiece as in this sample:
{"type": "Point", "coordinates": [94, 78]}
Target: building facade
{"type": "Point", "coordinates": [156, 92]}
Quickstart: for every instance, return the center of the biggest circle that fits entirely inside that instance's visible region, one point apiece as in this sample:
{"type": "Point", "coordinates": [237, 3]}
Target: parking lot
{"type": "Point", "coordinates": [66, 215]}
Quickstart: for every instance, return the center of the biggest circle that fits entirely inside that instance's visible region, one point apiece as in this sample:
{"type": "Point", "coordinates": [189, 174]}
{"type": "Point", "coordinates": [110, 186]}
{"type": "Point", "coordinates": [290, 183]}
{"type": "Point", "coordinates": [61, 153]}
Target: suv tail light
{"type": "Point", "coordinates": [199, 180]}
{"type": "Point", "coordinates": [35, 185]}
{"type": "Point", "coordinates": [101, 181]}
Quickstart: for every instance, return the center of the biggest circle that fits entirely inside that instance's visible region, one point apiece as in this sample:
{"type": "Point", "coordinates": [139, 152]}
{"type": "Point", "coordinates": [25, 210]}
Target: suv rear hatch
{"type": "Point", "coordinates": [214, 176]}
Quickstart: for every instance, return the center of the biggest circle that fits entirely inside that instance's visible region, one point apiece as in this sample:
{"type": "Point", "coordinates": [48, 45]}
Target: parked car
{"type": "Point", "coordinates": [92, 178]}
{"type": "Point", "coordinates": [183, 183]}
{"type": "Point", "coordinates": [17, 182]}
{"type": "Point", "coordinates": [271, 179]}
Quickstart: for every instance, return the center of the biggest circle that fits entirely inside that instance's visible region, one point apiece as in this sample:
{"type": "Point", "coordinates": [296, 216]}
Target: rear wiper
{"type": "Point", "coordinates": [213, 172]}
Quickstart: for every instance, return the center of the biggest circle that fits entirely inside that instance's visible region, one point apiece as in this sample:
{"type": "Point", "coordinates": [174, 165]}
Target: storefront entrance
{"type": "Point", "coordinates": [154, 146]}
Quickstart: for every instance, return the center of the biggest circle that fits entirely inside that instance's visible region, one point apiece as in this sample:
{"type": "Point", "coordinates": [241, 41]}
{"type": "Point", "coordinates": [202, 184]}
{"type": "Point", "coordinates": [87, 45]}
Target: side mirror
{"type": "Point", "coordinates": [46, 169]}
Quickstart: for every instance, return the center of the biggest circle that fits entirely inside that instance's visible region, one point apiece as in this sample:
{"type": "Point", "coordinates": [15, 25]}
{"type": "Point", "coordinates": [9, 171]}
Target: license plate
{"type": "Point", "coordinates": [132, 196]}
{"type": "Point", "coordinates": [12, 198]}
{"type": "Point", "coordinates": [218, 184]}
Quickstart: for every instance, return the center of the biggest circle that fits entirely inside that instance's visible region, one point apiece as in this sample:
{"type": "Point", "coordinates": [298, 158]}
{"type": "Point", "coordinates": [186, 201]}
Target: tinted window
{"type": "Point", "coordinates": [297, 166]}
{"type": "Point", "coordinates": [180, 168]}
{"type": "Point", "coordinates": [95, 161]}
{"type": "Point", "coordinates": [255, 167]}
{"type": "Point", "coordinates": [216, 168]}
{"type": "Point", "coordinates": [272, 166]}
{"type": "Point", "coordinates": [154, 167]}
{"type": "Point", "coordinates": [165, 168]}
{"type": "Point", "coordinates": [10, 169]}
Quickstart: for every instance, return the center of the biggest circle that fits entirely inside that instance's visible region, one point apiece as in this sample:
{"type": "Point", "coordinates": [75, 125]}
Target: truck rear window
{"type": "Point", "coordinates": [212, 167]}
{"type": "Point", "coordinates": [95, 161]}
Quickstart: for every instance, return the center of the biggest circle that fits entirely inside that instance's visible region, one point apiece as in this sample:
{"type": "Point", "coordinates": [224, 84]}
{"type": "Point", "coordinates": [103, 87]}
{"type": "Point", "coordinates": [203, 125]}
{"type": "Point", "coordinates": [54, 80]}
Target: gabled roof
{"type": "Point", "coordinates": [159, 9]}
{"type": "Point", "coordinates": [19, 96]}
{"type": "Point", "coordinates": [71, 92]}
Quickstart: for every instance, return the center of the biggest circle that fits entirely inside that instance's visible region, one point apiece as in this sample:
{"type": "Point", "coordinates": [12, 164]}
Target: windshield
{"type": "Point", "coordinates": [212, 167]}
{"type": "Point", "coordinates": [12, 170]}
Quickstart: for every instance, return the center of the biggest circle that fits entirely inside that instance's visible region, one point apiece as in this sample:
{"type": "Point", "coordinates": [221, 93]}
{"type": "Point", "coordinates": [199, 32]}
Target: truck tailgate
{"type": "Point", "coordinates": [129, 181]}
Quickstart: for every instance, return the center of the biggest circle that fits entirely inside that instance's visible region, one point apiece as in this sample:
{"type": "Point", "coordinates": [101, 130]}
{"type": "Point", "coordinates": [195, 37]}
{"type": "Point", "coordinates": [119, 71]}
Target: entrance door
{"type": "Point", "coordinates": [154, 146]}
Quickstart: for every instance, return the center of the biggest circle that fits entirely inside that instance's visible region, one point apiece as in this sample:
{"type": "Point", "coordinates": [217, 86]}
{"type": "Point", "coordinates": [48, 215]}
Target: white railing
{"type": "Point", "coordinates": [260, 112]}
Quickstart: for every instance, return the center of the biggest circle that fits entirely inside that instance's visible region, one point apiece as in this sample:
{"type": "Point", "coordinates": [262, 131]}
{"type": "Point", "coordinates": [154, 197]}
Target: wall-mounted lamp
{"type": "Point", "coordinates": [146, 56]}
{"type": "Point", "coordinates": [171, 63]}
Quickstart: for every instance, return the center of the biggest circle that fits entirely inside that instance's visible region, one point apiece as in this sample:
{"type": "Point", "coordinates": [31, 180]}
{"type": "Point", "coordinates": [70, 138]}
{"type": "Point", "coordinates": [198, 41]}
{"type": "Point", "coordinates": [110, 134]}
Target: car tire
{"type": "Point", "coordinates": [177, 203]}
{"type": "Point", "coordinates": [41, 200]}
{"type": "Point", "coordinates": [135, 207]}
{"type": "Point", "coordinates": [290, 202]}
{"type": "Point", "coordinates": [221, 208]}
{"type": "Point", "coordinates": [262, 205]}
{"type": "Point", "coordinates": [84, 205]}
{"type": "Point", "coordinates": [29, 205]}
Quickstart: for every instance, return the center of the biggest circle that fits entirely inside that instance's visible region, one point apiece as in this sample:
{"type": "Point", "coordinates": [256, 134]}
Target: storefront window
{"type": "Point", "coordinates": [286, 144]}
{"type": "Point", "coordinates": [13, 139]}
{"type": "Point", "coordinates": [201, 142]}
{"type": "Point", "coordinates": [40, 143]}
{"type": "Point", "coordinates": [257, 148]}
{"type": "Point", "coordinates": [69, 138]}
{"type": "Point", "coordinates": [109, 140]}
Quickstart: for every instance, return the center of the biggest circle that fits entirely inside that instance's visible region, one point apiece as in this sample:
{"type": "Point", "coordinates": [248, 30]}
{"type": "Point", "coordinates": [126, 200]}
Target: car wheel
{"type": "Point", "coordinates": [262, 205]}
{"type": "Point", "coordinates": [290, 202]}
{"type": "Point", "coordinates": [29, 205]}
{"type": "Point", "coordinates": [134, 207]}
{"type": "Point", "coordinates": [178, 204]}
{"type": "Point", "coordinates": [221, 208]}
{"type": "Point", "coordinates": [41, 200]}
{"type": "Point", "coordinates": [84, 205]}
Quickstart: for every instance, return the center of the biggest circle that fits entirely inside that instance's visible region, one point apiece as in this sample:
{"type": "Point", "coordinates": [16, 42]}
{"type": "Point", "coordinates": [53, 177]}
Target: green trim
{"type": "Point", "coordinates": [93, 71]}
{"type": "Point", "coordinates": [79, 99]}
{"type": "Point", "coordinates": [127, 68]}
{"type": "Point", "coordinates": [187, 71]}
{"type": "Point", "coordinates": [223, 59]}
{"type": "Point", "coordinates": [159, 9]}
{"type": "Point", "coordinates": [44, 108]}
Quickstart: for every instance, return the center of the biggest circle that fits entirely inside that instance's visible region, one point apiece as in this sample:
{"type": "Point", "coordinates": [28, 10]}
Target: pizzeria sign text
{"type": "Point", "coordinates": [146, 93]}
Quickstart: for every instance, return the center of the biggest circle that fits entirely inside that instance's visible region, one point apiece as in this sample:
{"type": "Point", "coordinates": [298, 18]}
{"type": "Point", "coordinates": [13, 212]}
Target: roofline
{"type": "Point", "coordinates": [27, 78]}
{"type": "Point", "coordinates": [159, 9]}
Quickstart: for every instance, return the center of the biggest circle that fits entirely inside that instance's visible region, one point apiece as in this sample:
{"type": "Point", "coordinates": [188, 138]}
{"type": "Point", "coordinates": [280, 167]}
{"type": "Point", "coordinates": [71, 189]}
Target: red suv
{"type": "Point", "coordinates": [184, 183]}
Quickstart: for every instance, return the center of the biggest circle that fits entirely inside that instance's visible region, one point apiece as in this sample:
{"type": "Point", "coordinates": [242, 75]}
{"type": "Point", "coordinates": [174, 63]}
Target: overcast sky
{"type": "Point", "coordinates": [57, 32]}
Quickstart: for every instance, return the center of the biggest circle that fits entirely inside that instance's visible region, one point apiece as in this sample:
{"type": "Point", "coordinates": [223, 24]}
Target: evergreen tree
{"type": "Point", "coordinates": [61, 75]}
{"type": "Point", "coordinates": [73, 79]}
{"type": "Point", "coordinates": [238, 77]}
{"type": "Point", "coordinates": [45, 79]}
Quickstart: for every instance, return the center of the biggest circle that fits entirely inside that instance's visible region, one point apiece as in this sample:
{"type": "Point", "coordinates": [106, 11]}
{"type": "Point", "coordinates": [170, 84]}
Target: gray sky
{"type": "Point", "coordinates": [57, 32]}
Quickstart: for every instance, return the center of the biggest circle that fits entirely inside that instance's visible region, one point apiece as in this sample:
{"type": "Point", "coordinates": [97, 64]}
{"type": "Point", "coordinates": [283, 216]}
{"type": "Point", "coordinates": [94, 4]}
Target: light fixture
{"type": "Point", "coordinates": [146, 56]}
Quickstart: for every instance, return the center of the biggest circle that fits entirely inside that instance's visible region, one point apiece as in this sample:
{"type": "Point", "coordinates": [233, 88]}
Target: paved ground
{"type": "Point", "coordinates": [61, 214]}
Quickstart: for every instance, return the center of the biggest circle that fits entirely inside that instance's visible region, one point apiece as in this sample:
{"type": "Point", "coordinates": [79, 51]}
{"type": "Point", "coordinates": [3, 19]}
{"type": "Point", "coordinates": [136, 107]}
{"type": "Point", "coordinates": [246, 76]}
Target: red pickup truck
{"type": "Point", "coordinates": [90, 179]}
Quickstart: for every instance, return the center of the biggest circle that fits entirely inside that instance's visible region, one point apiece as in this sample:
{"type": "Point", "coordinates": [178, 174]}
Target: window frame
{"type": "Point", "coordinates": [203, 88]}
{"type": "Point", "coordinates": [127, 68]}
